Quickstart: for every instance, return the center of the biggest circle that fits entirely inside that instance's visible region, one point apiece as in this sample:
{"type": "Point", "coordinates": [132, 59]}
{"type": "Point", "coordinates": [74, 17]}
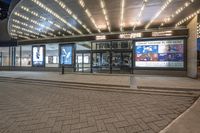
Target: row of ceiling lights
{"type": "Point", "coordinates": [33, 21]}
{"type": "Point", "coordinates": [17, 22]}
{"type": "Point", "coordinates": [177, 12]}
{"type": "Point", "coordinates": [122, 15]}
{"type": "Point", "coordinates": [82, 4]}
{"type": "Point", "coordinates": [158, 13]}
{"type": "Point", "coordinates": [69, 11]}
{"type": "Point", "coordinates": [45, 19]}
{"type": "Point", "coordinates": [41, 5]}
{"type": "Point", "coordinates": [138, 21]}
{"type": "Point", "coordinates": [102, 3]}
{"type": "Point", "coordinates": [103, 7]}
{"type": "Point", "coordinates": [188, 18]}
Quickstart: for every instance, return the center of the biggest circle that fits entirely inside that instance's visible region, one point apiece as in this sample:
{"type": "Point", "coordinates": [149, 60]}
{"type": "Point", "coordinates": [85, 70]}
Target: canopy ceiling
{"type": "Point", "coordinates": [32, 19]}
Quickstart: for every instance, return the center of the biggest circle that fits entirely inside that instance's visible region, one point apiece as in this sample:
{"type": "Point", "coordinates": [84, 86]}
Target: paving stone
{"type": "Point", "coordinates": [38, 108]}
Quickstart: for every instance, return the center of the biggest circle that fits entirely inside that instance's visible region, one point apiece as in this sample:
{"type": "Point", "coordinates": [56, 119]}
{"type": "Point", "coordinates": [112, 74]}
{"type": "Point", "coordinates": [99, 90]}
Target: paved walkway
{"type": "Point", "coordinates": [188, 122]}
{"type": "Point", "coordinates": [41, 109]}
{"type": "Point", "coordinates": [141, 80]}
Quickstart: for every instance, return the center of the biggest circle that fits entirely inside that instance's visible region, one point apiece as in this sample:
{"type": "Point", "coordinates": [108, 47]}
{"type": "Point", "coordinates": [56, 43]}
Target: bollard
{"type": "Point", "coordinates": [63, 69]}
{"type": "Point", "coordinates": [133, 83]}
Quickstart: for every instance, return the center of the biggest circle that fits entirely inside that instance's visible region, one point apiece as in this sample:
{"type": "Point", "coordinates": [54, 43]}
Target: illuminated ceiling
{"type": "Point", "coordinates": [33, 19]}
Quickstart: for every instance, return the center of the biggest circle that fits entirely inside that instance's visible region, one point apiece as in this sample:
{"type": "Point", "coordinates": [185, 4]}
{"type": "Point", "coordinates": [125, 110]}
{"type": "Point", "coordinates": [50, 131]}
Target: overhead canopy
{"type": "Point", "coordinates": [6, 8]}
{"type": "Point", "coordinates": [32, 19]}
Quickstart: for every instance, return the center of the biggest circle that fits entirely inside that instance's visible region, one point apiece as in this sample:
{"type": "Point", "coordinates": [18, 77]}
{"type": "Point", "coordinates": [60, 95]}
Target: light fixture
{"type": "Point", "coordinates": [69, 11]}
{"type": "Point", "coordinates": [41, 5]}
{"type": "Point", "coordinates": [33, 21]}
{"type": "Point", "coordinates": [122, 16]}
{"type": "Point", "coordinates": [187, 18]}
{"type": "Point", "coordinates": [43, 18]}
{"type": "Point", "coordinates": [177, 12]}
{"type": "Point", "coordinates": [138, 22]}
{"type": "Point", "coordinates": [103, 7]}
{"type": "Point", "coordinates": [158, 13]}
{"type": "Point", "coordinates": [82, 4]}
{"type": "Point", "coordinates": [29, 26]}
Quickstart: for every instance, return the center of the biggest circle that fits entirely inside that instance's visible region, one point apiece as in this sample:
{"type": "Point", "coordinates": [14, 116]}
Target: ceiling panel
{"type": "Point", "coordinates": [47, 24]}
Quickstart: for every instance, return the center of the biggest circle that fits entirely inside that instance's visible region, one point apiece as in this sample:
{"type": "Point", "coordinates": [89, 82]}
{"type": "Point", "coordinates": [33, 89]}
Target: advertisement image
{"type": "Point", "coordinates": [66, 55]}
{"type": "Point", "coordinates": [38, 56]}
{"type": "Point", "coordinates": [163, 53]}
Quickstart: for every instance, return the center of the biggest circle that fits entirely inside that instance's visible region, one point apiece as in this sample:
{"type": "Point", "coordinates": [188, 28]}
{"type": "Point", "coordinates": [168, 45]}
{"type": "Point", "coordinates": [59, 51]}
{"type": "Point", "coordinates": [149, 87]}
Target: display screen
{"type": "Point", "coordinates": [198, 44]}
{"type": "Point", "coordinates": [38, 55]}
{"type": "Point", "coordinates": [66, 55]}
{"type": "Point", "coordinates": [164, 53]}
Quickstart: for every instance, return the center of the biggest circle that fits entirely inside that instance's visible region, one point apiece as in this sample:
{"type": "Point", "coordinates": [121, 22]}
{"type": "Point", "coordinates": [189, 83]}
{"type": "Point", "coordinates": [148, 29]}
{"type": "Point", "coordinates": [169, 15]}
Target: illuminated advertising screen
{"type": "Point", "coordinates": [198, 44]}
{"type": "Point", "coordinates": [38, 55]}
{"type": "Point", "coordinates": [163, 53]}
{"type": "Point", "coordinates": [66, 54]}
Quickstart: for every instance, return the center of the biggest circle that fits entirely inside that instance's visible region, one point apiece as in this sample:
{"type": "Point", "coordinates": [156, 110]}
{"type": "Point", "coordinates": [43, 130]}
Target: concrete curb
{"type": "Point", "coordinates": [187, 122]}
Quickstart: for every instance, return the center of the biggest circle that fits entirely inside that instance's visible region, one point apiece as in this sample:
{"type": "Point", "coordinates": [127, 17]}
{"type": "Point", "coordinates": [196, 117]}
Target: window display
{"type": "Point", "coordinates": [66, 54]}
{"type": "Point", "coordinates": [164, 53]}
{"type": "Point", "coordinates": [17, 56]}
{"type": "Point", "coordinates": [52, 58]}
{"type": "Point", "coordinates": [26, 56]}
{"type": "Point", "coordinates": [38, 55]}
{"type": "Point", "coordinates": [5, 58]}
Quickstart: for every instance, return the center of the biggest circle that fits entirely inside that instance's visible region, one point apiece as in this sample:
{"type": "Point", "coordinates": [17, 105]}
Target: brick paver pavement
{"type": "Point", "coordinates": [41, 109]}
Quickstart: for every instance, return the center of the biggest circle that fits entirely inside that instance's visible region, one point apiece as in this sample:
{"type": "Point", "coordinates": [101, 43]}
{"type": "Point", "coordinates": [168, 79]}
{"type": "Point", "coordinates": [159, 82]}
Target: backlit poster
{"type": "Point", "coordinates": [38, 55]}
{"type": "Point", "coordinates": [163, 53]}
{"type": "Point", "coordinates": [66, 54]}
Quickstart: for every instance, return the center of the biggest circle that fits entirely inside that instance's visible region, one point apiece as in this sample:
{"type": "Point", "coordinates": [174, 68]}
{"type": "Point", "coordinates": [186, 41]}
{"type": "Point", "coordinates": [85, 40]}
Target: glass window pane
{"type": "Point", "coordinates": [83, 46]}
{"type": "Point", "coordinates": [17, 56]}
{"type": "Point", "coordinates": [5, 56]}
{"type": "Point", "coordinates": [101, 46]}
{"type": "Point", "coordinates": [122, 44]}
{"type": "Point", "coordinates": [52, 58]}
{"type": "Point", "coordinates": [26, 56]}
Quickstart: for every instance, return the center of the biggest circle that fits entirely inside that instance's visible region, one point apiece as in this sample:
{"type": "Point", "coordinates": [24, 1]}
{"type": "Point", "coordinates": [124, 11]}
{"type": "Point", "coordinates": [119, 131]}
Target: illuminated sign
{"type": "Point", "coordinates": [130, 36]}
{"type": "Point", "coordinates": [38, 55]}
{"type": "Point", "coordinates": [100, 37]}
{"type": "Point", "coordinates": [164, 53]}
{"type": "Point", "coordinates": [162, 33]}
{"type": "Point", "coordinates": [66, 54]}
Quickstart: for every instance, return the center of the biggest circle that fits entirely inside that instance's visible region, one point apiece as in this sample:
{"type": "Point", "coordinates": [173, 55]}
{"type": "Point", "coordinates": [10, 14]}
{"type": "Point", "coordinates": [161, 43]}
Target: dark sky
{"type": "Point", "coordinates": [5, 1]}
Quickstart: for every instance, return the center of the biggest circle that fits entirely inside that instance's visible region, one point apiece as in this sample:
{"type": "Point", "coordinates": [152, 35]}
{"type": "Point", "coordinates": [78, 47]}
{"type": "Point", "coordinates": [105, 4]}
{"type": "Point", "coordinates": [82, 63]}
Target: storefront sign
{"type": "Point", "coordinates": [162, 33]}
{"type": "Point", "coordinates": [101, 37]}
{"type": "Point", "coordinates": [130, 36]}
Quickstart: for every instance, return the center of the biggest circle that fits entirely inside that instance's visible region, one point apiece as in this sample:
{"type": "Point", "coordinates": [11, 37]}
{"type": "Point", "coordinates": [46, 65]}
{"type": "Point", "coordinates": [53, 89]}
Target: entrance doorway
{"type": "Point", "coordinates": [121, 62]}
{"type": "Point", "coordinates": [101, 62]}
{"type": "Point", "coordinates": [83, 62]}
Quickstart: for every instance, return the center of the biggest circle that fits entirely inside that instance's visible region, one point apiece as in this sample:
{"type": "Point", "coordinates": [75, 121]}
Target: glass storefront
{"type": "Point", "coordinates": [5, 56]}
{"type": "Point", "coordinates": [26, 56]}
{"type": "Point", "coordinates": [99, 57]}
{"type": "Point", "coordinates": [52, 55]}
{"type": "Point", "coordinates": [17, 56]}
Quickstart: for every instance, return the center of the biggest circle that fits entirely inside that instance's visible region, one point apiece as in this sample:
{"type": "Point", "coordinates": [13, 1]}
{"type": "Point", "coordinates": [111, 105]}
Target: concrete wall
{"type": "Point", "coordinates": [192, 49]}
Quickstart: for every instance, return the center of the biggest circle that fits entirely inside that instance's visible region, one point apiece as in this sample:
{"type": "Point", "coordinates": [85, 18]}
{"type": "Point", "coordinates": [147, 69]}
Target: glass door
{"type": "Point", "coordinates": [86, 62]}
{"type": "Point", "coordinates": [83, 62]}
{"type": "Point", "coordinates": [126, 62]}
{"type": "Point", "coordinates": [116, 61]}
{"type": "Point", "coordinates": [79, 62]}
{"type": "Point", "coordinates": [121, 62]}
{"type": "Point", "coordinates": [101, 62]}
